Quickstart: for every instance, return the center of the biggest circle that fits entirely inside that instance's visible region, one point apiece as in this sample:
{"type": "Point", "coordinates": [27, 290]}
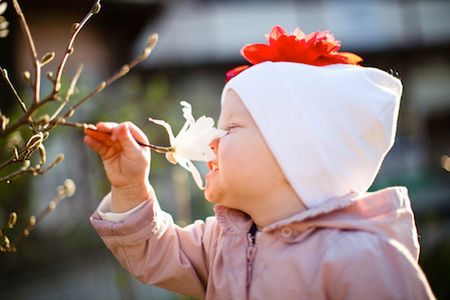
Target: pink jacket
{"type": "Point", "coordinates": [349, 248]}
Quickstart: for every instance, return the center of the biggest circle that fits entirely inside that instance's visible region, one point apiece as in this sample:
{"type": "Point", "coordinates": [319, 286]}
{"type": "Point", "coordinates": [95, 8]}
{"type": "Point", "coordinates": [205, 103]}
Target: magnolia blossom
{"type": "Point", "coordinates": [192, 142]}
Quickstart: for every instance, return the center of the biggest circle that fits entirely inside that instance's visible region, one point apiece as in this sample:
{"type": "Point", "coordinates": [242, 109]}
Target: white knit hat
{"type": "Point", "coordinates": [328, 127]}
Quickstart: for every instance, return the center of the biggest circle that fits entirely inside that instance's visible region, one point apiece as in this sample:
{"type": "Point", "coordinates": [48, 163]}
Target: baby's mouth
{"type": "Point", "coordinates": [213, 166]}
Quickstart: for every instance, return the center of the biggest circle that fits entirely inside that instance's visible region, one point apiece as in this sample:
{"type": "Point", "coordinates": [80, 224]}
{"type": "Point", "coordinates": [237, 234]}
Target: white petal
{"type": "Point", "coordinates": [167, 127]}
{"type": "Point", "coordinates": [196, 175]}
{"type": "Point", "coordinates": [187, 112]}
{"type": "Point", "coordinates": [202, 131]}
{"type": "Point", "coordinates": [194, 144]}
{"type": "Point", "coordinates": [188, 165]}
{"type": "Point", "coordinates": [196, 153]}
{"type": "Point", "coordinates": [182, 161]}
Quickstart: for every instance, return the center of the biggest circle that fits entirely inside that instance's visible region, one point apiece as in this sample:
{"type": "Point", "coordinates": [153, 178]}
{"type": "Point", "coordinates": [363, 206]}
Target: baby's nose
{"type": "Point", "coordinates": [214, 144]}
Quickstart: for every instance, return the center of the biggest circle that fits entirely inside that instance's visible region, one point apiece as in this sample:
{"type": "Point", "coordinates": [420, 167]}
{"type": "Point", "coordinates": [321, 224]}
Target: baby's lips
{"type": "Point", "coordinates": [212, 165]}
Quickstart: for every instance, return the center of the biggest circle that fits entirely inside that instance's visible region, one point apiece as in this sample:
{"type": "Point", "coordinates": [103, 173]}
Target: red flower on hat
{"type": "Point", "coordinates": [318, 49]}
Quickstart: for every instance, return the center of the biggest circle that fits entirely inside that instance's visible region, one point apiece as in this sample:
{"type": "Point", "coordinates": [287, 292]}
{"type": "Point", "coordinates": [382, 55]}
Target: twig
{"type": "Point", "coordinates": [69, 50]}
{"type": "Point", "coordinates": [34, 57]}
{"type": "Point", "coordinates": [73, 83]}
{"type": "Point", "coordinates": [13, 89]}
{"type": "Point", "coordinates": [26, 118]}
{"type": "Point", "coordinates": [153, 39]}
{"type": "Point", "coordinates": [70, 92]}
{"type": "Point", "coordinates": [151, 43]}
{"type": "Point", "coordinates": [7, 162]}
{"type": "Point", "coordinates": [65, 191]}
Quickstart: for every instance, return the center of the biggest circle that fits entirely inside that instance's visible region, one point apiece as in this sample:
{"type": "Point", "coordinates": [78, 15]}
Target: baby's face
{"type": "Point", "coordinates": [245, 169]}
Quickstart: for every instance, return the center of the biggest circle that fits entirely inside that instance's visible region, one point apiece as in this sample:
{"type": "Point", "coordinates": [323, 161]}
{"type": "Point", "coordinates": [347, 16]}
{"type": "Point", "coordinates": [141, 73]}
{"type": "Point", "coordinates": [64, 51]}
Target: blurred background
{"type": "Point", "coordinates": [199, 41]}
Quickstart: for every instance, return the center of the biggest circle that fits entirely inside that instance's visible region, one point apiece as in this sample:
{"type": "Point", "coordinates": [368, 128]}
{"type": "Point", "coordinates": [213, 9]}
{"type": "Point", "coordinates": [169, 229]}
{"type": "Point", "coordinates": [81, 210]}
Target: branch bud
{"type": "Point", "coordinates": [43, 154]}
{"type": "Point", "coordinates": [58, 159]}
{"type": "Point", "coordinates": [101, 86]}
{"type": "Point", "coordinates": [26, 76]}
{"type": "Point", "coordinates": [70, 51]}
{"type": "Point", "coordinates": [3, 7]}
{"type": "Point", "coordinates": [3, 23]}
{"type": "Point", "coordinates": [50, 75]}
{"type": "Point", "coordinates": [70, 113]}
{"type": "Point", "coordinates": [96, 8]}
{"type": "Point", "coordinates": [26, 164]}
{"type": "Point", "coordinates": [5, 241]}
{"type": "Point", "coordinates": [74, 27]}
{"type": "Point", "coordinates": [35, 141]}
{"type": "Point", "coordinates": [48, 57]}
{"type": "Point", "coordinates": [52, 205]}
{"type": "Point", "coordinates": [12, 220]}
{"type": "Point", "coordinates": [3, 121]}
{"type": "Point", "coordinates": [151, 42]}
{"type": "Point", "coordinates": [4, 72]}
{"type": "Point", "coordinates": [57, 86]}
{"type": "Point", "coordinates": [32, 221]}
{"type": "Point", "coordinates": [60, 191]}
{"type": "Point", "coordinates": [60, 120]}
{"type": "Point", "coordinates": [124, 70]}
{"type": "Point", "coordinates": [15, 153]}
{"type": "Point", "coordinates": [4, 33]}
{"type": "Point", "coordinates": [69, 187]}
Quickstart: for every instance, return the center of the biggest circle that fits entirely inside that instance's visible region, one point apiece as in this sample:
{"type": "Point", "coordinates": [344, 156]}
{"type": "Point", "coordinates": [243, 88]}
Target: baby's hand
{"type": "Point", "coordinates": [127, 164]}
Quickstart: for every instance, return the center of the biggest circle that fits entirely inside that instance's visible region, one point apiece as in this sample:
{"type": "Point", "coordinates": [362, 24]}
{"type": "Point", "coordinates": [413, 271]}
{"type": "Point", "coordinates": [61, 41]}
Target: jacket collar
{"type": "Point", "coordinates": [386, 212]}
{"type": "Point", "coordinates": [236, 222]}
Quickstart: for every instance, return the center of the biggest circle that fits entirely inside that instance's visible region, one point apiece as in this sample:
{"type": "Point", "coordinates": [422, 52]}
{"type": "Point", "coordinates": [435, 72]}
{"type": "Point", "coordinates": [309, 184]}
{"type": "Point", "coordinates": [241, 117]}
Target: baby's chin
{"type": "Point", "coordinates": [211, 193]}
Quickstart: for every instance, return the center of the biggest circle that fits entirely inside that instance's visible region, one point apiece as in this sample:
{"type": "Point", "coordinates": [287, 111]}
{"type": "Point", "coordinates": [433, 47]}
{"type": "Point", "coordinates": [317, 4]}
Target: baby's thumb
{"type": "Point", "coordinates": [123, 135]}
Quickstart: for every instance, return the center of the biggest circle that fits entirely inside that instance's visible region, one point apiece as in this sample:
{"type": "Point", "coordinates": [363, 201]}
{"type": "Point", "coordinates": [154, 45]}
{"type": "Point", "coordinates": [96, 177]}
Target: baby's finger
{"type": "Point", "coordinates": [123, 135]}
{"type": "Point", "coordinates": [137, 133]}
{"type": "Point", "coordinates": [106, 127]}
{"type": "Point", "coordinates": [95, 145]}
{"type": "Point", "coordinates": [99, 136]}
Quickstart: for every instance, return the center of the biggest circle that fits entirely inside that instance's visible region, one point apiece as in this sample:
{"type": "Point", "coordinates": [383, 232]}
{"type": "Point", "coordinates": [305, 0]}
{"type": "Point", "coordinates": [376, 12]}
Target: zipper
{"type": "Point", "coordinates": [251, 252]}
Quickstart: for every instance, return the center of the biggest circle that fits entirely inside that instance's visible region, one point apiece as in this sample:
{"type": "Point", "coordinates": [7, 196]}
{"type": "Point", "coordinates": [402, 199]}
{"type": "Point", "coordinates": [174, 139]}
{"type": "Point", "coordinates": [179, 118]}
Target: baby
{"type": "Point", "coordinates": [307, 130]}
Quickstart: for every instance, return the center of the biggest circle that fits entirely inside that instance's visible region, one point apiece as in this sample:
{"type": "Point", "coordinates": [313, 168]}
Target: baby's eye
{"type": "Point", "coordinates": [230, 128]}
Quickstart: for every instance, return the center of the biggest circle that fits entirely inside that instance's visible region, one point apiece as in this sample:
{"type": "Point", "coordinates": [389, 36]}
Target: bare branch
{"type": "Point", "coordinates": [34, 57]}
{"type": "Point", "coordinates": [73, 83]}
{"type": "Point", "coordinates": [69, 94]}
{"type": "Point", "coordinates": [69, 50]}
{"type": "Point", "coordinates": [152, 41]}
{"type": "Point", "coordinates": [62, 192]}
{"type": "Point", "coordinates": [13, 89]}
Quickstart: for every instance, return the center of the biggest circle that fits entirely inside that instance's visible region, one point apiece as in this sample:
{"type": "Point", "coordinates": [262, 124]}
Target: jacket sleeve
{"type": "Point", "coordinates": [156, 251]}
{"type": "Point", "coordinates": [368, 267]}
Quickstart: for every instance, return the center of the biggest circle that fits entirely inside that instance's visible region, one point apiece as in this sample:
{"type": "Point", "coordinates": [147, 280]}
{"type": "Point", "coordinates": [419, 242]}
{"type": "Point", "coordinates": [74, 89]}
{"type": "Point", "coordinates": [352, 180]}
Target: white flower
{"type": "Point", "coordinates": [192, 142]}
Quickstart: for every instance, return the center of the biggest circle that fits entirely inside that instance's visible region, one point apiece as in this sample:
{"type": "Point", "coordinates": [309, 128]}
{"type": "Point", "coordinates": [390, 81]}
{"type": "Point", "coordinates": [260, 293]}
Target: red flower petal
{"type": "Point", "coordinates": [235, 71]}
{"type": "Point", "coordinates": [318, 49]}
{"type": "Point", "coordinates": [352, 58]}
{"type": "Point", "coordinates": [257, 53]}
{"type": "Point", "coordinates": [275, 33]}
